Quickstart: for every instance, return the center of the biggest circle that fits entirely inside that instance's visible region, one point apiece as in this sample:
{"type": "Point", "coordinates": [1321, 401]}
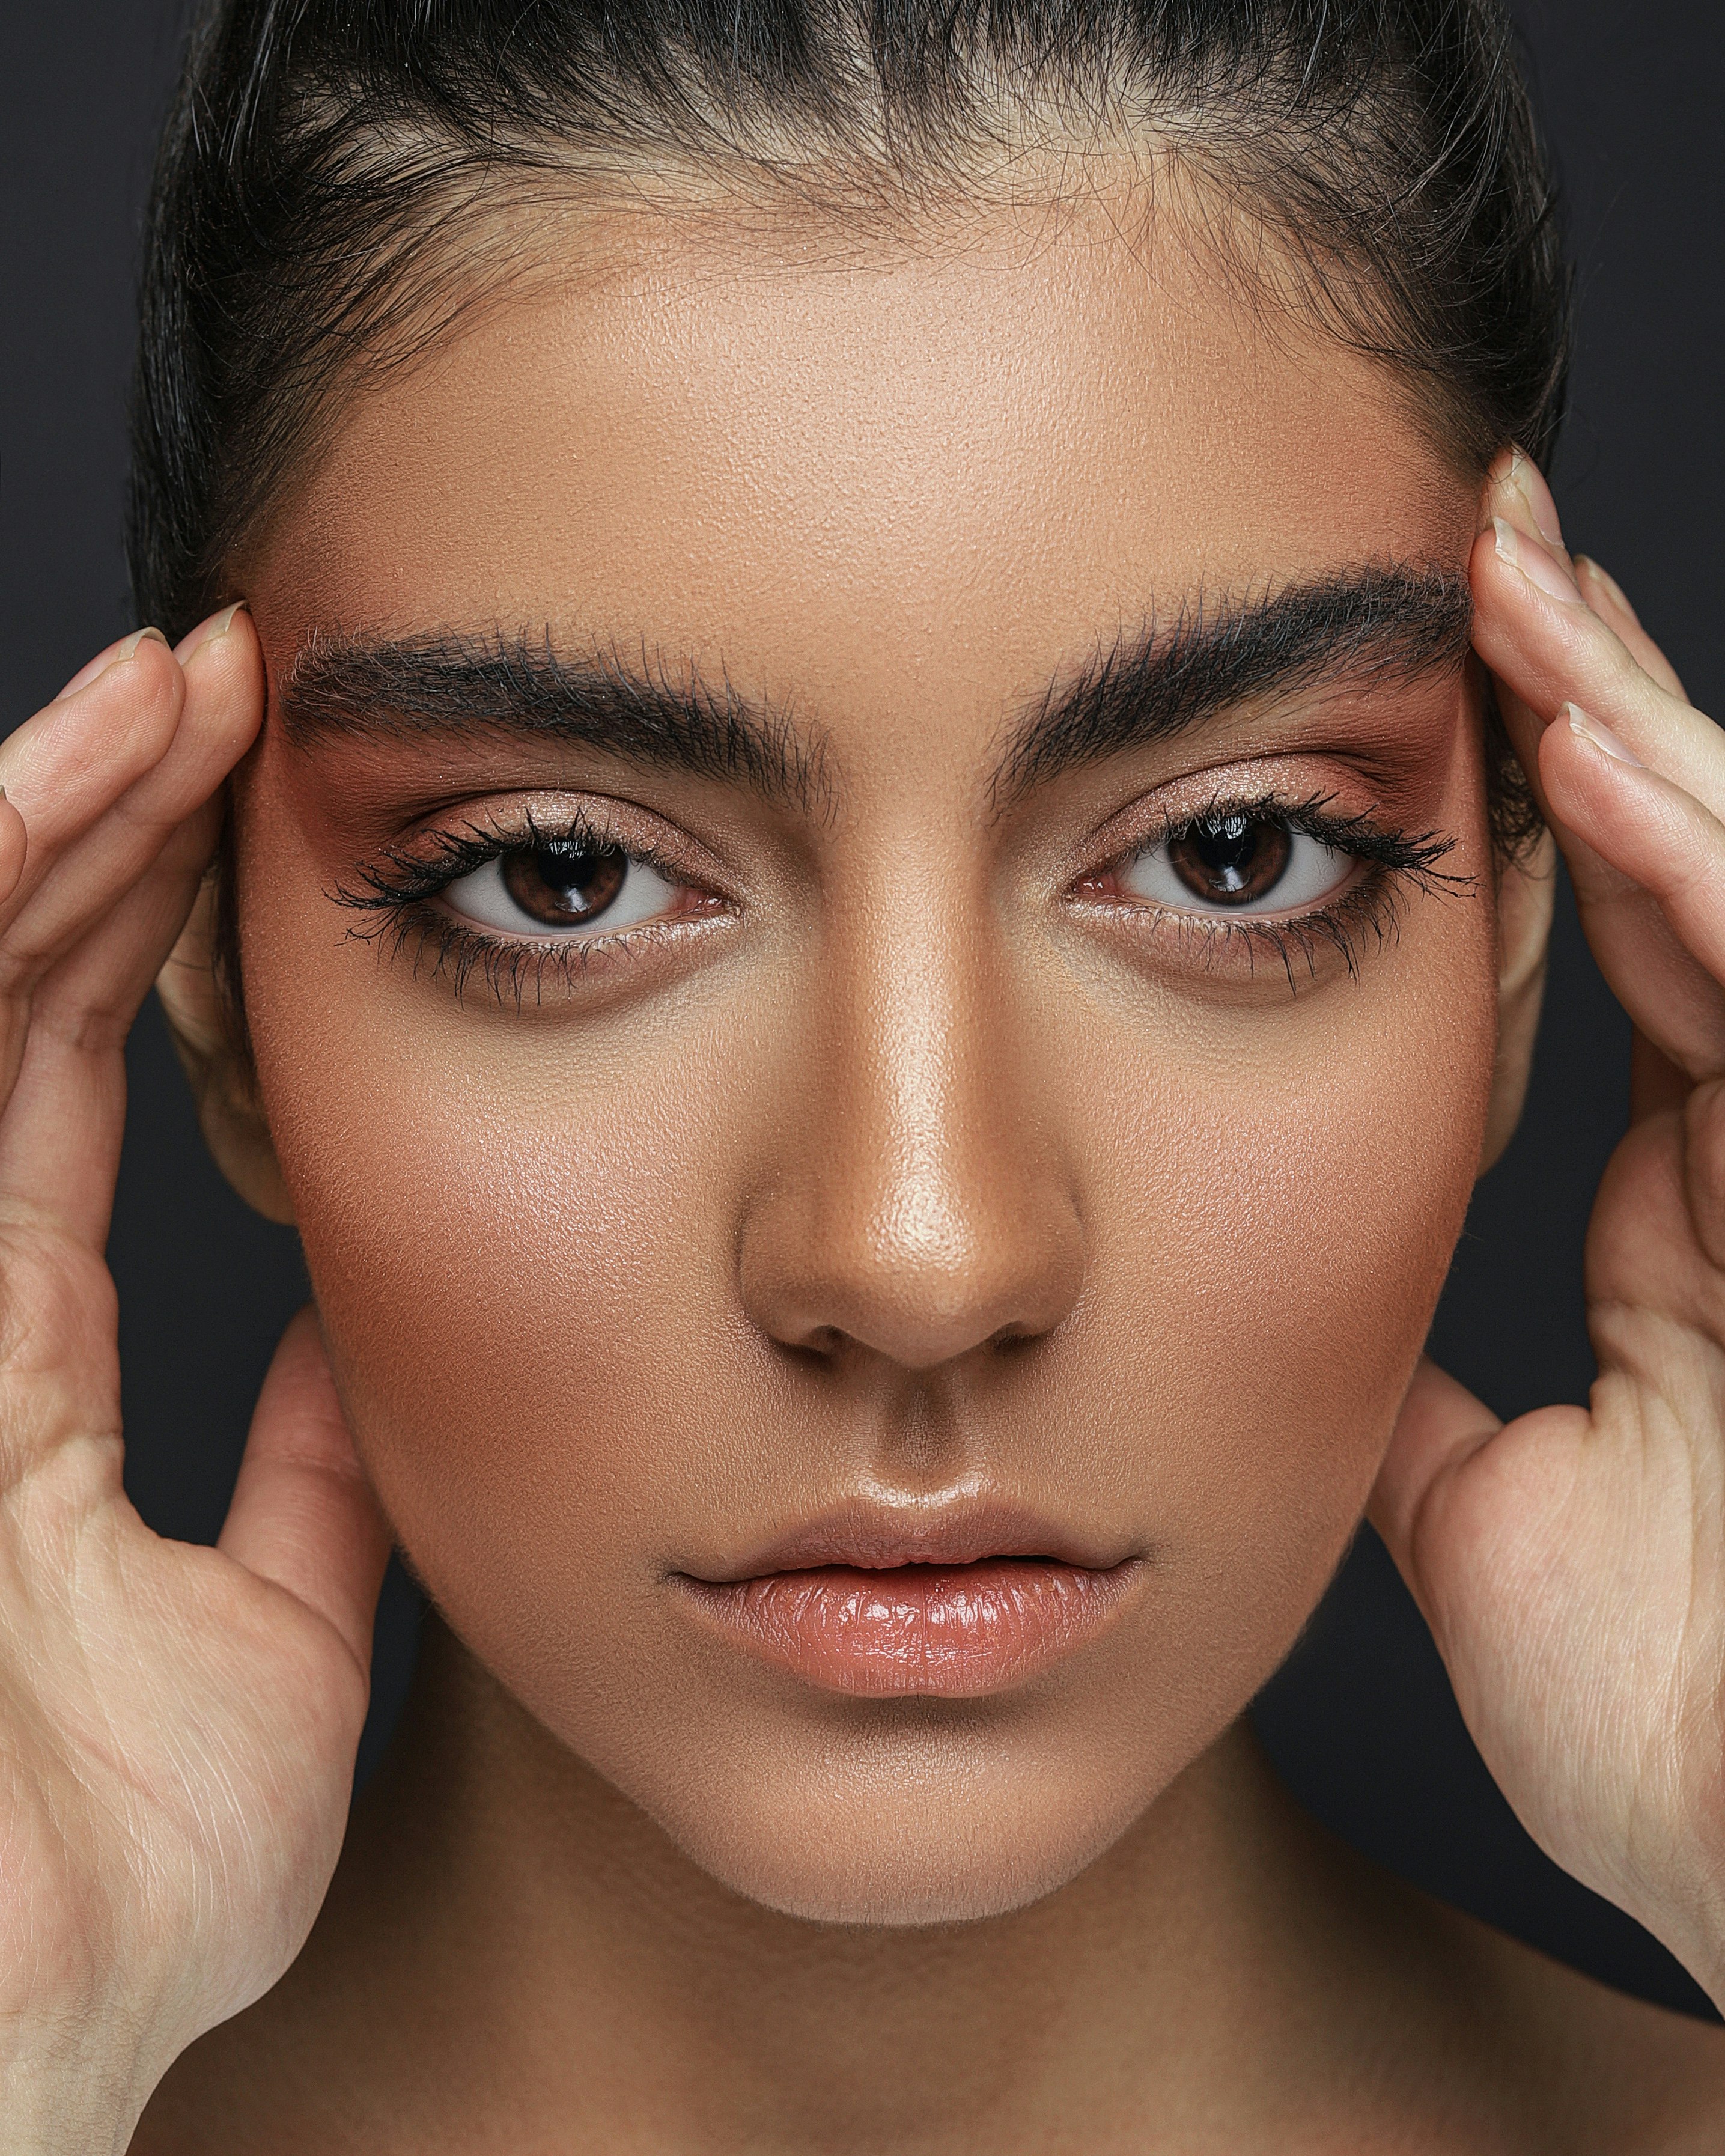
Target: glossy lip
{"type": "Point", "coordinates": [875, 1601]}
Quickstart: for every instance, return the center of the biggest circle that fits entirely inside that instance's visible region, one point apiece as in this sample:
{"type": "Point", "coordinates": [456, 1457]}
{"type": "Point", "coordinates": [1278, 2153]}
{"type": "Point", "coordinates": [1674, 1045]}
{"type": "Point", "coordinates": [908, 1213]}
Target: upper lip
{"type": "Point", "coordinates": [875, 1535]}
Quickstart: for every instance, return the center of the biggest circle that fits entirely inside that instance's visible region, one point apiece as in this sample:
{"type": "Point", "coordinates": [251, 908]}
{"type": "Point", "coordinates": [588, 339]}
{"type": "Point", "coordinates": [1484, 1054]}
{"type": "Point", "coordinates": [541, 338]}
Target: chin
{"type": "Point", "coordinates": [931, 1827]}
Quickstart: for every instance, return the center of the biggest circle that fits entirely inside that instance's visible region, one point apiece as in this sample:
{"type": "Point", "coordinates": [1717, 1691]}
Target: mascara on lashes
{"type": "Point", "coordinates": [398, 887]}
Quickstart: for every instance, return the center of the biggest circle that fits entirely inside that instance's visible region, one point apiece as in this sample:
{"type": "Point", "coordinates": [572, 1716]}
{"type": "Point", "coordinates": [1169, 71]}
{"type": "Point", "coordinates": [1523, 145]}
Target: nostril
{"type": "Point", "coordinates": [825, 1343]}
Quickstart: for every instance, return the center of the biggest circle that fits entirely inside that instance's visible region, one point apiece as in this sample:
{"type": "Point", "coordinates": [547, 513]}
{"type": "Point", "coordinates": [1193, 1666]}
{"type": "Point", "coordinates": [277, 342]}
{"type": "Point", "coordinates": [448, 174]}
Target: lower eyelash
{"type": "Point", "coordinates": [514, 970]}
{"type": "Point", "coordinates": [1368, 911]}
{"type": "Point", "coordinates": [398, 890]}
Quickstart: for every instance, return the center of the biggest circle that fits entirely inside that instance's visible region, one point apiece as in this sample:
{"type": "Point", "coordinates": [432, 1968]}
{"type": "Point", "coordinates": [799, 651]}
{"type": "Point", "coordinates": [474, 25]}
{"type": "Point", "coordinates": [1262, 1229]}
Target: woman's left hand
{"type": "Point", "coordinates": [1571, 1564]}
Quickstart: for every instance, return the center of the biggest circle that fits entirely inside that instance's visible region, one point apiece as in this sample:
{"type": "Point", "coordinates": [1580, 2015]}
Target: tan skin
{"type": "Point", "coordinates": [908, 1158]}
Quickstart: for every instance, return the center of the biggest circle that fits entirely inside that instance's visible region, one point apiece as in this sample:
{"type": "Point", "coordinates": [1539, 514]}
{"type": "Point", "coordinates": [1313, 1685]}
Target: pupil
{"type": "Point", "coordinates": [560, 884]}
{"type": "Point", "coordinates": [1232, 860]}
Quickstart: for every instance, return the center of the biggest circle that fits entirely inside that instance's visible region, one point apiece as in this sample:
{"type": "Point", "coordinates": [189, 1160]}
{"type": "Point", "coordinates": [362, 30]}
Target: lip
{"type": "Point", "coordinates": [877, 1603]}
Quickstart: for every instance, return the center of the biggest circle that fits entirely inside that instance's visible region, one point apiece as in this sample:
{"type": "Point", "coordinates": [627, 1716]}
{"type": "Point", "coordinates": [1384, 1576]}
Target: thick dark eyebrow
{"type": "Point", "coordinates": [455, 683]}
{"type": "Point", "coordinates": [1367, 626]}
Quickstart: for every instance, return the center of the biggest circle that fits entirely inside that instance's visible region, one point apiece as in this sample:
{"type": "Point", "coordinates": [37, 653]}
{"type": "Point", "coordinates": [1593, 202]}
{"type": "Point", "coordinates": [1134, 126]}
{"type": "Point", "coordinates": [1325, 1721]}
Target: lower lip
{"type": "Point", "coordinates": [954, 1631]}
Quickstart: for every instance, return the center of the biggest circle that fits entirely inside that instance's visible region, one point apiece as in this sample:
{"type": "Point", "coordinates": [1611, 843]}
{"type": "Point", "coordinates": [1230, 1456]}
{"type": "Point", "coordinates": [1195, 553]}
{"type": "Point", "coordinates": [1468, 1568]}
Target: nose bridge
{"type": "Point", "coordinates": [923, 1208]}
{"type": "Point", "coordinates": [911, 1145]}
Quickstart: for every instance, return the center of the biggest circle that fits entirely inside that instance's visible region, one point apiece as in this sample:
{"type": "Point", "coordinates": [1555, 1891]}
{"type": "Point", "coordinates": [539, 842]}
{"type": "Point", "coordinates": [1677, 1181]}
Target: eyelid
{"type": "Point", "coordinates": [462, 838]}
{"type": "Point", "coordinates": [1282, 782]}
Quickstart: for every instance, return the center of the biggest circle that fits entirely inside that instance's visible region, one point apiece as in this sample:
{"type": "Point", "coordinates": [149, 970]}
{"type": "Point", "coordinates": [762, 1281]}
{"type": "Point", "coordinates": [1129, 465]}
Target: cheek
{"type": "Point", "coordinates": [520, 1259]}
{"type": "Point", "coordinates": [1287, 1201]}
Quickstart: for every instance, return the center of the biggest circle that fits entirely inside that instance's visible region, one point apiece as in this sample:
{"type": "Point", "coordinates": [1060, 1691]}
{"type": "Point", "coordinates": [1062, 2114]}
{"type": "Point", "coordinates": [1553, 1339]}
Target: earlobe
{"type": "Point", "coordinates": [1527, 893]}
{"type": "Point", "coordinates": [228, 1110]}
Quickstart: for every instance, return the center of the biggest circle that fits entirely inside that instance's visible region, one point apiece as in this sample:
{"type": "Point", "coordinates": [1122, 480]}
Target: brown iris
{"type": "Point", "coordinates": [562, 885]}
{"type": "Point", "coordinates": [1230, 861]}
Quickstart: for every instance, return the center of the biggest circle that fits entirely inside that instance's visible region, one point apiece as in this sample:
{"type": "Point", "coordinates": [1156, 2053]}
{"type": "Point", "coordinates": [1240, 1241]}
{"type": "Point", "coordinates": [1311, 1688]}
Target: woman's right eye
{"type": "Point", "coordinates": [561, 888]}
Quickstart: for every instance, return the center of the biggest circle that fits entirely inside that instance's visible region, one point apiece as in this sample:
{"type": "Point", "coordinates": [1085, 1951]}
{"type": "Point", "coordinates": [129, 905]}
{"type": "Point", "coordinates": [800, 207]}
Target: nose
{"type": "Point", "coordinates": [917, 1208]}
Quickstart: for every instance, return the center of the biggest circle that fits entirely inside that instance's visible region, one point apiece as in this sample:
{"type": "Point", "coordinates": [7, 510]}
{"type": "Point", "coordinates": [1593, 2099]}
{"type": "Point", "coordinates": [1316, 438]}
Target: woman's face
{"type": "Point", "coordinates": [872, 1252]}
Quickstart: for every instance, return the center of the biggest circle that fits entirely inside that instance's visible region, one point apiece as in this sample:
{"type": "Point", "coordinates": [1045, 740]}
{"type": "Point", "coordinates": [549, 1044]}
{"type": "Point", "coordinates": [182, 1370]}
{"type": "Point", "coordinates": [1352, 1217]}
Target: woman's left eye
{"type": "Point", "coordinates": [1236, 863]}
{"type": "Point", "coordinates": [560, 888]}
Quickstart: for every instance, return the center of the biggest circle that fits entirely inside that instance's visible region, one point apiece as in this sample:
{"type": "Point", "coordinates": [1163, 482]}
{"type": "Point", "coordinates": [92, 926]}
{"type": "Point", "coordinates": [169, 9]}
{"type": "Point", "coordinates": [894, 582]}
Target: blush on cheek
{"type": "Point", "coordinates": [1279, 1237]}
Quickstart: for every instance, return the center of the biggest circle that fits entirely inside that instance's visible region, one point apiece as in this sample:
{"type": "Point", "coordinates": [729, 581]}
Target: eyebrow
{"type": "Point", "coordinates": [1377, 626]}
{"type": "Point", "coordinates": [454, 684]}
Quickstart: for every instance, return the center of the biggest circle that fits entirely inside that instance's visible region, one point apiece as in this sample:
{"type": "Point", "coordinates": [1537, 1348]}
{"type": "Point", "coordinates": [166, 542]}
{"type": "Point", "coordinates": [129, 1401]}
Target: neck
{"type": "Point", "coordinates": [596, 1977]}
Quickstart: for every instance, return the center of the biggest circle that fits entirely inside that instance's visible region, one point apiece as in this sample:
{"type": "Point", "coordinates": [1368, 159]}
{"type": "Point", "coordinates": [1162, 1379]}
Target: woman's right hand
{"type": "Point", "coordinates": [177, 1724]}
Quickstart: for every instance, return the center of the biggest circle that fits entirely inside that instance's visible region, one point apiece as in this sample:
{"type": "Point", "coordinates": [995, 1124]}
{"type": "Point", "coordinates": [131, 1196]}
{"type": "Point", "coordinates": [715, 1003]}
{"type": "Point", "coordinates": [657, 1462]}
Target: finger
{"type": "Point", "coordinates": [1534, 628]}
{"type": "Point", "coordinates": [78, 954]}
{"type": "Point", "coordinates": [94, 670]}
{"type": "Point", "coordinates": [76, 873]}
{"type": "Point", "coordinates": [65, 768]}
{"type": "Point", "coordinates": [304, 1514]}
{"type": "Point", "coordinates": [1532, 623]}
{"type": "Point", "coordinates": [1441, 1428]}
{"type": "Point", "coordinates": [1657, 905]}
{"type": "Point", "coordinates": [61, 1133]}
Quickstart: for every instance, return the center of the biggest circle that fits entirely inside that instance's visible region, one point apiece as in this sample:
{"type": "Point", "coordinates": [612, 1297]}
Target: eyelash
{"type": "Point", "coordinates": [399, 887]}
{"type": "Point", "coordinates": [1369, 909]}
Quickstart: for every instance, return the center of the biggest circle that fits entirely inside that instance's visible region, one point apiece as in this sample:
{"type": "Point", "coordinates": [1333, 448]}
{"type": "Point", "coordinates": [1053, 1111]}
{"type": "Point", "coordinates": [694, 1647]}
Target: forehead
{"type": "Point", "coordinates": [928, 466]}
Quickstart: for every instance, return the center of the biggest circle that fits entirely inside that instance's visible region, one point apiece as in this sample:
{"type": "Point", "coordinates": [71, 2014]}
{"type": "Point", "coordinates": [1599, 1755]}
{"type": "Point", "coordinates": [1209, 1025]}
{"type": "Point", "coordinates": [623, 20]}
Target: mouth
{"type": "Point", "coordinates": [865, 1605]}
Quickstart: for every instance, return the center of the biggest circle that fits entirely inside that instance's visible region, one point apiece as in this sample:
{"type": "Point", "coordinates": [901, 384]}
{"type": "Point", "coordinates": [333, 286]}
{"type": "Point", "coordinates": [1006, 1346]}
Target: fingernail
{"type": "Point", "coordinates": [1526, 477]}
{"type": "Point", "coordinates": [129, 648]}
{"type": "Point", "coordinates": [1600, 737]}
{"type": "Point", "coordinates": [103, 659]}
{"type": "Point", "coordinates": [1540, 568]}
{"type": "Point", "coordinates": [207, 632]}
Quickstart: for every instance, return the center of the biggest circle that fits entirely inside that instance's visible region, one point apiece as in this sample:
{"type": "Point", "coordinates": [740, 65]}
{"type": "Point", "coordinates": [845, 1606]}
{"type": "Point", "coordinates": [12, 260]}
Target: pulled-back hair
{"type": "Point", "coordinates": [339, 176]}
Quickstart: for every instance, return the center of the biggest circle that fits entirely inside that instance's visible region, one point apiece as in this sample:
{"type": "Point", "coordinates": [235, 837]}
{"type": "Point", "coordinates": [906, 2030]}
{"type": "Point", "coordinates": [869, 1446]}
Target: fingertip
{"type": "Point", "coordinates": [1621, 822]}
{"type": "Point", "coordinates": [1441, 1425]}
{"type": "Point", "coordinates": [223, 666]}
{"type": "Point", "coordinates": [1516, 487]}
{"type": "Point", "coordinates": [135, 699]}
{"type": "Point", "coordinates": [210, 630]}
{"type": "Point", "coordinates": [301, 1366]}
{"type": "Point", "coordinates": [1498, 474]}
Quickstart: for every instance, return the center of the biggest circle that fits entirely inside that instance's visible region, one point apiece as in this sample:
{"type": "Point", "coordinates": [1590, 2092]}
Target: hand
{"type": "Point", "coordinates": [1572, 1563]}
{"type": "Point", "coordinates": [177, 1724]}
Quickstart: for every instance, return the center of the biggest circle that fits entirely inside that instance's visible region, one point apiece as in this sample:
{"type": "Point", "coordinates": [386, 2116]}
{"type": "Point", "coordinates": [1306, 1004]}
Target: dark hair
{"type": "Point", "coordinates": [330, 188]}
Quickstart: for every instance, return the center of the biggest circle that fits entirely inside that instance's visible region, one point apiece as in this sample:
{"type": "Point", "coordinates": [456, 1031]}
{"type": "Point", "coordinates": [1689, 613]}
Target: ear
{"type": "Point", "coordinates": [1527, 892]}
{"type": "Point", "coordinates": [228, 1110]}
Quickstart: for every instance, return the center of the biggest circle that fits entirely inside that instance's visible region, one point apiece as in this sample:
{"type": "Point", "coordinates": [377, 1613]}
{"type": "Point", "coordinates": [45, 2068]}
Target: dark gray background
{"type": "Point", "coordinates": [1361, 1723]}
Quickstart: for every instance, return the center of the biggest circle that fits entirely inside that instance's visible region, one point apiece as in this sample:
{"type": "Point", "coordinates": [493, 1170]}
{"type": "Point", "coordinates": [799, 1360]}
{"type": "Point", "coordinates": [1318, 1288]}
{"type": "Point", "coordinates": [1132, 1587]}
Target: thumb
{"type": "Point", "coordinates": [1440, 1427]}
{"type": "Point", "coordinates": [304, 1516]}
